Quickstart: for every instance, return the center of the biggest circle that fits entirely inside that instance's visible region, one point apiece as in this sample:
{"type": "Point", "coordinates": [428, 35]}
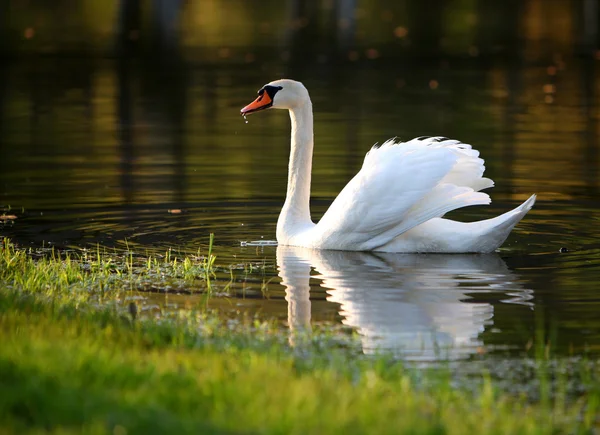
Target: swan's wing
{"type": "Point", "coordinates": [400, 186]}
{"type": "Point", "coordinates": [469, 168]}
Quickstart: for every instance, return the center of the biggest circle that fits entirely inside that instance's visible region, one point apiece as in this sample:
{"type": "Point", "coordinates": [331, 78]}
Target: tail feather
{"type": "Point", "coordinates": [491, 233]}
{"type": "Point", "coordinates": [449, 236]}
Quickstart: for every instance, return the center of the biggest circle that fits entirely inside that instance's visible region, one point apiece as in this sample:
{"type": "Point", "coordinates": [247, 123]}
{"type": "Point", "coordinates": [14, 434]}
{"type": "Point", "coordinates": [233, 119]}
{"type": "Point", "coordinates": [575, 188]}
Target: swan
{"type": "Point", "coordinates": [396, 202]}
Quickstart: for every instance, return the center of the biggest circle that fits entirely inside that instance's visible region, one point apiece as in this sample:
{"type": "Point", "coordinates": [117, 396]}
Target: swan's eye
{"type": "Point", "coordinates": [270, 90]}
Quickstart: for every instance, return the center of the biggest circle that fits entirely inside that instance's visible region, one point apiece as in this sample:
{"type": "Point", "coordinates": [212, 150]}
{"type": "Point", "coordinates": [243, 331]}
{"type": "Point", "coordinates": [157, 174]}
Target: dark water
{"type": "Point", "coordinates": [102, 152]}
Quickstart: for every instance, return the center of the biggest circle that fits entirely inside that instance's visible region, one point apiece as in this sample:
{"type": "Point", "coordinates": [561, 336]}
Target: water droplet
{"type": "Point", "coordinates": [245, 119]}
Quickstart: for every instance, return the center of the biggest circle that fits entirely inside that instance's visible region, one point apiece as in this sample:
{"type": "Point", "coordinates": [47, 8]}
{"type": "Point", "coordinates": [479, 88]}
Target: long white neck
{"type": "Point", "coordinates": [295, 214]}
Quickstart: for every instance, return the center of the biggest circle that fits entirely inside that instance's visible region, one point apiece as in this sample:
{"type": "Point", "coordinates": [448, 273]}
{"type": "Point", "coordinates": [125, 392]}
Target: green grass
{"type": "Point", "coordinates": [99, 275]}
{"type": "Point", "coordinates": [70, 366]}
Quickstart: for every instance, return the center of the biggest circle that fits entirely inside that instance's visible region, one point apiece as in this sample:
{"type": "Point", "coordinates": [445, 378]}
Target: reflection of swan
{"type": "Point", "coordinates": [413, 304]}
{"type": "Point", "coordinates": [294, 271]}
{"type": "Point", "coordinates": [397, 200]}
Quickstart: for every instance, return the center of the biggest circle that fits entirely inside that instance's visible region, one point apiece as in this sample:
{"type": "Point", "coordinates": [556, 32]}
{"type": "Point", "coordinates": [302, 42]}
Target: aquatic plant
{"type": "Point", "coordinates": [99, 274]}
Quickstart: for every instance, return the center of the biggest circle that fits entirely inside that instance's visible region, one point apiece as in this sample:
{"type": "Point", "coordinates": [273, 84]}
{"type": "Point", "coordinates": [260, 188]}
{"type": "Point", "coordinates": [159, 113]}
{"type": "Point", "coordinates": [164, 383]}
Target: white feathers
{"type": "Point", "coordinates": [396, 201]}
{"type": "Point", "coordinates": [400, 186]}
{"type": "Point", "coordinates": [469, 168]}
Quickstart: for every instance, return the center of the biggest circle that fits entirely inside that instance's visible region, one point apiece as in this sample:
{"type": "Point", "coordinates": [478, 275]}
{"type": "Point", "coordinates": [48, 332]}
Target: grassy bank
{"type": "Point", "coordinates": [101, 275]}
{"type": "Point", "coordinates": [67, 366]}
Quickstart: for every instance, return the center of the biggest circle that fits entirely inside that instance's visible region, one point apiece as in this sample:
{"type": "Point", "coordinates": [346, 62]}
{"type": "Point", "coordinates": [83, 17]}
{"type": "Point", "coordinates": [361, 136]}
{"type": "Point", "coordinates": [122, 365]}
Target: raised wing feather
{"type": "Point", "coordinates": [401, 185]}
{"type": "Point", "coordinates": [469, 168]}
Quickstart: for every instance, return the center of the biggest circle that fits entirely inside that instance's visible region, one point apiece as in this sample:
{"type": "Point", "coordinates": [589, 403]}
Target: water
{"type": "Point", "coordinates": [128, 154]}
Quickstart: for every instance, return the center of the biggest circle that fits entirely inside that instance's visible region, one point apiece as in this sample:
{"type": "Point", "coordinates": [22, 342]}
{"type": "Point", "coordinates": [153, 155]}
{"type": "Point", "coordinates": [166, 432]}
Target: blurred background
{"type": "Point", "coordinates": [247, 31]}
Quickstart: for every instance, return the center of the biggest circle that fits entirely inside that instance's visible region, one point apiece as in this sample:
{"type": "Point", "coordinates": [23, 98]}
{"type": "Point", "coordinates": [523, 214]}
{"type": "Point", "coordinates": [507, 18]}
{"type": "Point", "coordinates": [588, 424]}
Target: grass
{"type": "Point", "coordinates": [84, 275]}
{"type": "Point", "coordinates": [68, 365]}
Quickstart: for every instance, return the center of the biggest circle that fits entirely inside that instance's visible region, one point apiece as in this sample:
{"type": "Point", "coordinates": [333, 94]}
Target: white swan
{"type": "Point", "coordinates": [396, 201]}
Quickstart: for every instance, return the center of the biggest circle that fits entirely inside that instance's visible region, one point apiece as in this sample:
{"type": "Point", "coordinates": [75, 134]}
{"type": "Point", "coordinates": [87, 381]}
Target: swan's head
{"type": "Point", "coordinates": [280, 94]}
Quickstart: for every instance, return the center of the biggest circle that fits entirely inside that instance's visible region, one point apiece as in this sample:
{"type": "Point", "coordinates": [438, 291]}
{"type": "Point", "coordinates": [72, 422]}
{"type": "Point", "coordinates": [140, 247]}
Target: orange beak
{"type": "Point", "coordinates": [263, 101]}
